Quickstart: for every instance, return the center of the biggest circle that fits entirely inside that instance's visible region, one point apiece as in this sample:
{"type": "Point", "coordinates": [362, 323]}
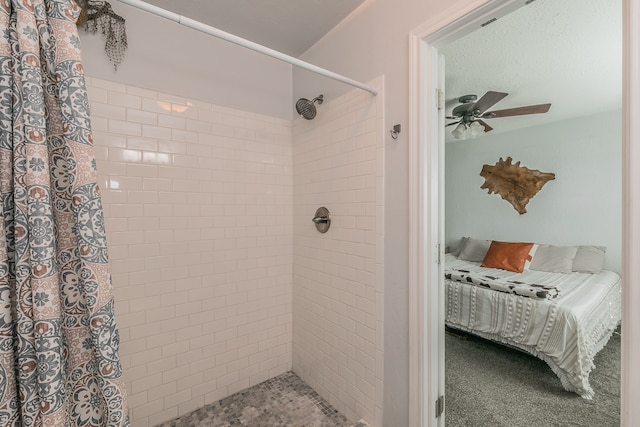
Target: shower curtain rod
{"type": "Point", "coordinates": [207, 29]}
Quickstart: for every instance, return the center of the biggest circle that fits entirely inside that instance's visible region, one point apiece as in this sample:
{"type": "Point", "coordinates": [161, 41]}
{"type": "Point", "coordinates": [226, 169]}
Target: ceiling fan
{"type": "Point", "coordinates": [471, 112]}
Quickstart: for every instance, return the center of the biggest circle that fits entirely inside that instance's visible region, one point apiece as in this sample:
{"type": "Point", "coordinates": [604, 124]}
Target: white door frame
{"type": "Point", "coordinates": [426, 361]}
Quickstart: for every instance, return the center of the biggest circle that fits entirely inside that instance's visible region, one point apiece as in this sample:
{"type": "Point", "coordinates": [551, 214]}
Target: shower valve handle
{"type": "Point", "coordinates": [320, 219]}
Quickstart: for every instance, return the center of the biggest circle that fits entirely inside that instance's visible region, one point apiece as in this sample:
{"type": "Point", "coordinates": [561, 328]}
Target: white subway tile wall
{"type": "Point", "coordinates": [338, 305]}
{"type": "Point", "coordinates": [198, 212]}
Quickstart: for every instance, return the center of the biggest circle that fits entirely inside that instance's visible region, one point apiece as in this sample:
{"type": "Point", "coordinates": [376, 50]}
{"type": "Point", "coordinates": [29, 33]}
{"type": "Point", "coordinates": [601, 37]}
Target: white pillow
{"type": "Point", "coordinates": [589, 259]}
{"type": "Point", "coordinates": [554, 259]}
{"type": "Point", "coordinates": [475, 250]}
{"type": "Point", "coordinates": [463, 241]}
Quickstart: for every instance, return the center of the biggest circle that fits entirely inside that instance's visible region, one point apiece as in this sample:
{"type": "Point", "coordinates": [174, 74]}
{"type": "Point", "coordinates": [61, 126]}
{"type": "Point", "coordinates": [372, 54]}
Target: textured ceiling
{"type": "Point", "coordinates": [566, 52]}
{"type": "Point", "coordinates": [289, 26]}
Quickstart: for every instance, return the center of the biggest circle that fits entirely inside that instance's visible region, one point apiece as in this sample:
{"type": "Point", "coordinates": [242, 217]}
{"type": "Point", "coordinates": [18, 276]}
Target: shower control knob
{"type": "Point", "coordinates": [322, 220]}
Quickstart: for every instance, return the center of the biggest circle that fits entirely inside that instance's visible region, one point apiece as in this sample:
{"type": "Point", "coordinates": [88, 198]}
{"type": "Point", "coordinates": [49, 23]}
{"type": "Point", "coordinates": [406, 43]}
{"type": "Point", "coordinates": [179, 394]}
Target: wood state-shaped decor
{"type": "Point", "coordinates": [514, 183]}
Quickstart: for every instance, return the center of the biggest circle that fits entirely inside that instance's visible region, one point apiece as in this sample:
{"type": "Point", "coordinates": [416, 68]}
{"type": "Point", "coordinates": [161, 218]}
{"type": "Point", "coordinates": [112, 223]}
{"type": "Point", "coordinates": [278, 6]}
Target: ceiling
{"type": "Point", "coordinates": [288, 26]}
{"type": "Point", "coordinates": [564, 52]}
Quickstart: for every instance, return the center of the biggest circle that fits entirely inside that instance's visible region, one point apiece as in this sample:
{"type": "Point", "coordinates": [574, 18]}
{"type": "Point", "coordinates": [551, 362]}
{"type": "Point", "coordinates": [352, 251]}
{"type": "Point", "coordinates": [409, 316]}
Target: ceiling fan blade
{"type": "Point", "coordinates": [519, 111]}
{"type": "Point", "coordinates": [451, 124]}
{"type": "Point", "coordinates": [484, 124]}
{"type": "Point", "coordinates": [487, 101]}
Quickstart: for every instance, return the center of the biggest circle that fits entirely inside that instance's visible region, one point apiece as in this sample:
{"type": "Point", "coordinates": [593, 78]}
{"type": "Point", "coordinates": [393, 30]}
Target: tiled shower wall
{"type": "Point", "coordinates": [198, 208]}
{"type": "Point", "coordinates": [338, 276]}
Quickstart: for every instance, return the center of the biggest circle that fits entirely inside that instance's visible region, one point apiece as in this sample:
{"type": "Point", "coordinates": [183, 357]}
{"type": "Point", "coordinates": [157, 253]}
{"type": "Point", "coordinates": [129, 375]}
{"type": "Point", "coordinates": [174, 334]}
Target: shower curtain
{"type": "Point", "coordinates": [59, 361]}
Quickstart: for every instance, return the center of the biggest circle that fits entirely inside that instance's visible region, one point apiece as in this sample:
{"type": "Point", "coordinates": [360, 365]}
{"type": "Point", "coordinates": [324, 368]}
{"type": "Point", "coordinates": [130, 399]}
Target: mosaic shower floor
{"type": "Point", "coordinates": [284, 400]}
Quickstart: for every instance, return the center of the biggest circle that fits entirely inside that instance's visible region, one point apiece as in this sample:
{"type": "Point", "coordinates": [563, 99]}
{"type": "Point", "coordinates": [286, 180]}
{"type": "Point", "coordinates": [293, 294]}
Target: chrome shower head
{"type": "Point", "coordinates": [306, 108]}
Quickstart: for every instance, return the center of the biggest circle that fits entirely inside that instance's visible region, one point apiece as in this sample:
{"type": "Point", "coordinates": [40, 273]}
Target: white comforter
{"type": "Point", "coordinates": [566, 332]}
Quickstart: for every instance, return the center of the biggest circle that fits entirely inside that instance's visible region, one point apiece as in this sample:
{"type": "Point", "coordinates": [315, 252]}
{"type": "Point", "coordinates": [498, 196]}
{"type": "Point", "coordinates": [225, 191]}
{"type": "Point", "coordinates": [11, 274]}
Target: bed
{"type": "Point", "coordinates": [566, 329]}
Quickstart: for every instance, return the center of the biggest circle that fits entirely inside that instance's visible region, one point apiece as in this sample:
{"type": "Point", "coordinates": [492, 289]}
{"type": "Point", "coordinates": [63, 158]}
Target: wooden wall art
{"type": "Point", "coordinates": [514, 183]}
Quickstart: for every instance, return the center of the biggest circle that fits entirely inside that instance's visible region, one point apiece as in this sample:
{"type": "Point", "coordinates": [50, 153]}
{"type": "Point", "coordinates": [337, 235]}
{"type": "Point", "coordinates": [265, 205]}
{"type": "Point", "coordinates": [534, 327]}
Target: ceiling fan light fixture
{"type": "Point", "coordinates": [460, 132]}
{"type": "Point", "coordinates": [471, 112]}
{"type": "Point", "coordinates": [466, 99]}
{"type": "Point", "coordinates": [476, 129]}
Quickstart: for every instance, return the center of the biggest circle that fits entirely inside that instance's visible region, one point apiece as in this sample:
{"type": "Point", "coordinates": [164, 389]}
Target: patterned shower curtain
{"type": "Point", "coordinates": [59, 361]}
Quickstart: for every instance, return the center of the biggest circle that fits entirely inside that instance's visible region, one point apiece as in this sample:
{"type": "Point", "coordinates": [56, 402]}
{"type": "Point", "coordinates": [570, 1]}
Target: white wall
{"type": "Point", "coordinates": [374, 41]}
{"type": "Point", "coordinates": [177, 60]}
{"type": "Point", "coordinates": [338, 276]}
{"type": "Point", "coordinates": [583, 205]}
{"type": "Point", "coordinates": [198, 212]}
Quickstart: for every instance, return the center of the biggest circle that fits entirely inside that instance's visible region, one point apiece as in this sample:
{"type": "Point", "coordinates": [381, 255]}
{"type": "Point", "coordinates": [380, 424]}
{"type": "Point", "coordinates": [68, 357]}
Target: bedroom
{"type": "Point", "coordinates": [579, 139]}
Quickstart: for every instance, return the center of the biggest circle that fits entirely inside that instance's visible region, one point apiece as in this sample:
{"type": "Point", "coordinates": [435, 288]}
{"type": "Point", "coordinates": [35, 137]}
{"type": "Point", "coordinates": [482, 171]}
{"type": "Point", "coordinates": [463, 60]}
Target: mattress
{"type": "Point", "coordinates": [566, 332]}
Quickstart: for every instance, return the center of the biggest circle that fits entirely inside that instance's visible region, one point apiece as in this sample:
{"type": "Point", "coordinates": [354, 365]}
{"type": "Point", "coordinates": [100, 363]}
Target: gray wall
{"type": "Point", "coordinates": [582, 205]}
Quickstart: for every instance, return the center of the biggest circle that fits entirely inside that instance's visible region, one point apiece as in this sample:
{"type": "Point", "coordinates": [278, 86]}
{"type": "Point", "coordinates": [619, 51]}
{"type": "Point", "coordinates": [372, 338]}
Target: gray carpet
{"type": "Point", "coordinates": [492, 385]}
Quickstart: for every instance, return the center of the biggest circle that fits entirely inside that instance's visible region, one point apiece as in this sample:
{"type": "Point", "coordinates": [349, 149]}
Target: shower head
{"type": "Point", "coordinates": [306, 108]}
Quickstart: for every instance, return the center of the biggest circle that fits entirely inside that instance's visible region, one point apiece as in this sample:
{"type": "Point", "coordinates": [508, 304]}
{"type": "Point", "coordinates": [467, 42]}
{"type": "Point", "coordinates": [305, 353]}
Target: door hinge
{"type": "Point", "coordinates": [439, 99]}
{"type": "Point", "coordinates": [439, 406]}
{"type": "Point", "coordinates": [438, 253]}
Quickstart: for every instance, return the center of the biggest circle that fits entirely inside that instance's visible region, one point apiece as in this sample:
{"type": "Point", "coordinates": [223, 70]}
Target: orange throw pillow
{"type": "Point", "coordinates": [509, 256]}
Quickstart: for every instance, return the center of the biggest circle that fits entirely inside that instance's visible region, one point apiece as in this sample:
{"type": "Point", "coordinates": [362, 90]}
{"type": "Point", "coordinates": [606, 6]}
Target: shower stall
{"type": "Point", "coordinates": [221, 279]}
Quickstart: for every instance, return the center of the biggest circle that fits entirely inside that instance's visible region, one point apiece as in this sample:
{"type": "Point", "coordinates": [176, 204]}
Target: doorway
{"type": "Point", "coordinates": [426, 348]}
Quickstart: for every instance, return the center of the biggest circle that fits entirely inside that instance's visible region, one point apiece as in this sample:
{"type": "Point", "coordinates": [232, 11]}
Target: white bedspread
{"type": "Point", "coordinates": [566, 332]}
